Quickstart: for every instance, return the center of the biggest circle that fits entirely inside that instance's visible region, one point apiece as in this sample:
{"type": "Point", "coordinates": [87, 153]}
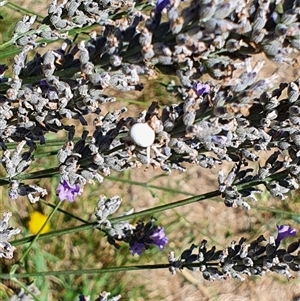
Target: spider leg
{"type": "Point", "coordinates": [158, 153]}
{"type": "Point", "coordinates": [148, 155]}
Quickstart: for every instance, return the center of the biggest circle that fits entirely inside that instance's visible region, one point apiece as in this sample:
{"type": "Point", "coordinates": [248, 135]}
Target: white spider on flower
{"type": "Point", "coordinates": [143, 133]}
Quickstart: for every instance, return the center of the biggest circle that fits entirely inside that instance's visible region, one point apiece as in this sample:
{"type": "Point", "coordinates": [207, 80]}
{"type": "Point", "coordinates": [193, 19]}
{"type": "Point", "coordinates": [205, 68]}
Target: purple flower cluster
{"type": "Point", "coordinates": [66, 191]}
{"type": "Point", "coordinates": [284, 232]}
{"type": "Point", "coordinates": [159, 237]}
{"type": "Point", "coordinates": [146, 235]}
{"type": "Point", "coordinates": [201, 89]}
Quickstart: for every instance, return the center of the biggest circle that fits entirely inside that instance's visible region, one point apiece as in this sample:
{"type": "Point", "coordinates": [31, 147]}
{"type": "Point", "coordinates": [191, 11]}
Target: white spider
{"type": "Point", "coordinates": [143, 135]}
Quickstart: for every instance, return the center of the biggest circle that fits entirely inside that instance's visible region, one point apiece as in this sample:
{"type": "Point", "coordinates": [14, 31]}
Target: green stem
{"type": "Point", "coordinates": [135, 102]}
{"type": "Point", "coordinates": [28, 292]}
{"type": "Point", "coordinates": [7, 54]}
{"type": "Point", "coordinates": [46, 153]}
{"type": "Point", "coordinates": [22, 9]}
{"type": "Point", "coordinates": [46, 173]}
{"type": "Point", "coordinates": [139, 214]}
{"type": "Point", "coordinates": [282, 212]}
{"type": "Point", "coordinates": [64, 212]}
{"type": "Point", "coordinates": [50, 142]}
{"type": "Point", "coordinates": [146, 185]}
{"type": "Point", "coordinates": [102, 271]}
{"type": "Point", "coordinates": [18, 36]}
{"type": "Point", "coordinates": [35, 238]}
{"type": "Point", "coordinates": [85, 272]}
{"type": "Point", "coordinates": [55, 233]}
{"type": "Point", "coordinates": [151, 211]}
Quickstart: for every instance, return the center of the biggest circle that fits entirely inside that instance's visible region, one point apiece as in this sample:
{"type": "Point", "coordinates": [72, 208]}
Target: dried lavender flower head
{"type": "Point", "coordinates": [104, 296]}
{"type": "Point", "coordinates": [254, 258]}
{"type": "Point", "coordinates": [106, 207]}
{"type": "Point", "coordinates": [6, 232]}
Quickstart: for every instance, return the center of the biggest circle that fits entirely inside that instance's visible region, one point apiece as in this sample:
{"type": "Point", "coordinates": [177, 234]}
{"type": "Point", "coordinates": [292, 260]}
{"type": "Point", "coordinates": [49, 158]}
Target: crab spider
{"type": "Point", "coordinates": [143, 135]}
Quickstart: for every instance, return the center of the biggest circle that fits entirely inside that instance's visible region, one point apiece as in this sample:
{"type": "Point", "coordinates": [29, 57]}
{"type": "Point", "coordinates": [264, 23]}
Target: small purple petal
{"type": "Point", "coordinates": [159, 237]}
{"type": "Point", "coordinates": [43, 83]}
{"type": "Point", "coordinates": [201, 89]}
{"type": "Point", "coordinates": [66, 191]}
{"type": "Point", "coordinates": [161, 4]}
{"type": "Point", "coordinates": [137, 248]}
{"type": "Point", "coordinates": [52, 94]}
{"type": "Point", "coordinates": [13, 195]}
{"type": "Point", "coordinates": [220, 140]}
{"type": "Point", "coordinates": [283, 232]}
{"type": "Point", "coordinates": [201, 69]}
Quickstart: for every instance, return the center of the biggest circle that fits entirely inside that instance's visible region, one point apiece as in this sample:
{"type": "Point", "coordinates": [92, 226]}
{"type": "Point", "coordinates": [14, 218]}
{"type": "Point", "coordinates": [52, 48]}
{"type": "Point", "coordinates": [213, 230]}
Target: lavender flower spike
{"type": "Point", "coordinates": [145, 235]}
{"type": "Point", "coordinates": [159, 237]}
{"type": "Point", "coordinates": [201, 89]}
{"type": "Point", "coordinates": [283, 232]}
{"type": "Point", "coordinates": [66, 191]}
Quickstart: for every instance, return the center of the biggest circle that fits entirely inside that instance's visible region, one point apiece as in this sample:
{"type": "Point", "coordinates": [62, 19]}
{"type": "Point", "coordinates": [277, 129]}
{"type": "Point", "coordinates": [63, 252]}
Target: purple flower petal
{"type": "Point", "coordinates": [43, 83]}
{"type": "Point", "coordinates": [218, 139]}
{"type": "Point", "coordinates": [283, 232]}
{"type": "Point", "coordinates": [159, 237]}
{"type": "Point", "coordinates": [137, 248]}
{"type": "Point", "coordinates": [13, 195]}
{"type": "Point", "coordinates": [160, 5]}
{"type": "Point", "coordinates": [66, 191]}
{"type": "Point", "coordinates": [201, 89]}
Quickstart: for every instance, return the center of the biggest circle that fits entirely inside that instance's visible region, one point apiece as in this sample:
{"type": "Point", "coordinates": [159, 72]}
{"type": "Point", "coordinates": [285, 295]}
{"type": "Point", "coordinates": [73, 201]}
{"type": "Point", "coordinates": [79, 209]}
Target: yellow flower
{"type": "Point", "coordinates": [36, 222]}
